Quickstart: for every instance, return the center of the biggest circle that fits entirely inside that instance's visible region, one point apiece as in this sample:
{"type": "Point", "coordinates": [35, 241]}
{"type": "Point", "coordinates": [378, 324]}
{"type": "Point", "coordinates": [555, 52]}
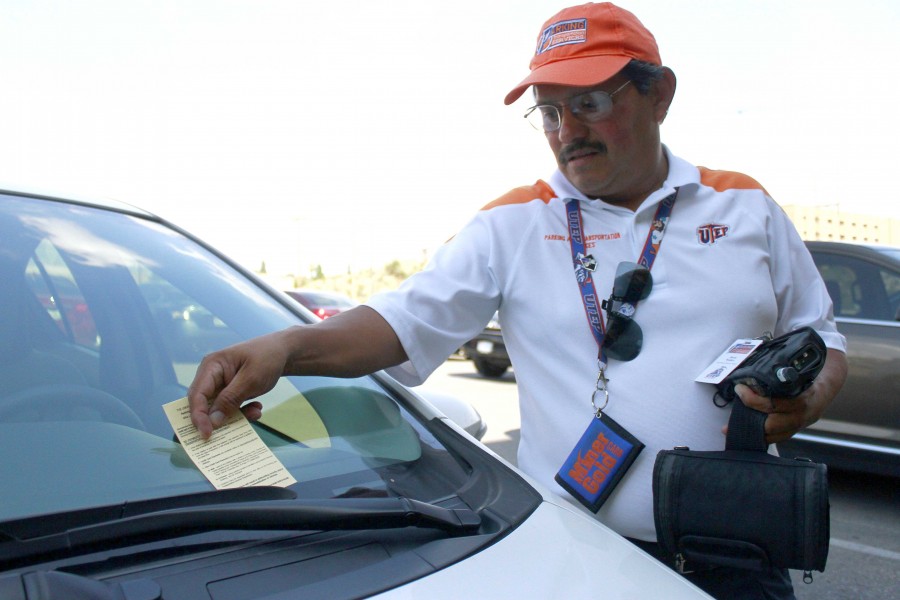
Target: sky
{"type": "Point", "coordinates": [348, 134]}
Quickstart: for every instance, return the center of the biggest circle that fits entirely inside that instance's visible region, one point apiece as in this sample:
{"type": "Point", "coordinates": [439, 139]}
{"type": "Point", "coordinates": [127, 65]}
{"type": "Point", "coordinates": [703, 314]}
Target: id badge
{"type": "Point", "coordinates": [598, 462]}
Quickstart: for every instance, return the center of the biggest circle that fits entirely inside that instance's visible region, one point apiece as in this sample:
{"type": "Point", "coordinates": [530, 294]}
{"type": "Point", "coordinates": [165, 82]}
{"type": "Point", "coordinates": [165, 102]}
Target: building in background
{"type": "Point", "coordinates": [829, 223]}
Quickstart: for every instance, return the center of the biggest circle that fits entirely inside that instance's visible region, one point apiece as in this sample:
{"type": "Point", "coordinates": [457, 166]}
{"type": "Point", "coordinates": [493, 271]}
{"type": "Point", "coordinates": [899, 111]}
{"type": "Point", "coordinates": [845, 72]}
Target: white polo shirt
{"type": "Point", "coordinates": [731, 265]}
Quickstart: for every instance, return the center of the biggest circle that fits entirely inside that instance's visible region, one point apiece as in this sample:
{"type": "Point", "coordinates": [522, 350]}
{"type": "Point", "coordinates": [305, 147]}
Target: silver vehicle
{"type": "Point", "coordinates": [861, 428]}
{"type": "Point", "coordinates": [105, 314]}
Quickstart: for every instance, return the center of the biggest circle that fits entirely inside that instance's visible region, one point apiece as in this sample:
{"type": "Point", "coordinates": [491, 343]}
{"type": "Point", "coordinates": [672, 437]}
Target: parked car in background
{"type": "Point", "coordinates": [861, 428]}
{"type": "Point", "coordinates": [323, 303]}
{"type": "Point", "coordinates": [487, 350]}
{"type": "Point", "coordinates": [99, 500]}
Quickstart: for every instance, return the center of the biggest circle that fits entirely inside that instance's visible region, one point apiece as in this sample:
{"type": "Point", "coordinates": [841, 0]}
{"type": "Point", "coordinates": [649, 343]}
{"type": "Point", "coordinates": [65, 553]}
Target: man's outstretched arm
{"type": "Point", "coordinates": [349, 344]}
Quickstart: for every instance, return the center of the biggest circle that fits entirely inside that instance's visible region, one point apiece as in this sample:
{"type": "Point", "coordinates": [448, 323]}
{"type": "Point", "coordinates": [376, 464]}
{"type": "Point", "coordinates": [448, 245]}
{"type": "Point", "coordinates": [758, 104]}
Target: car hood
{"type": "Point", "coordinates": [587, 562]}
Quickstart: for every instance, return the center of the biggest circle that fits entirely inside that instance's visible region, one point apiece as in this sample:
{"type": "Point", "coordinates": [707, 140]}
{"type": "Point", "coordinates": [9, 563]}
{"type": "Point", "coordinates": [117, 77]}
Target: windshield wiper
{"type": "Point", "coordinates": [273, 515]}
{"type": "Point", "coordinates": [46, 524]}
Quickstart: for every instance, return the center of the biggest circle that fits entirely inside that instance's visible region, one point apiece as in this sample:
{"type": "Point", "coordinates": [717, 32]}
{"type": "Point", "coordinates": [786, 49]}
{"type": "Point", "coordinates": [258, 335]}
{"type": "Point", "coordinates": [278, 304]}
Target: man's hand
{"type": "Point", "coordinates": [228, 378]}
{"type": "Point", "coordinates": [350, 344]}
{"type": "Point", "coordinates": [787, 416]}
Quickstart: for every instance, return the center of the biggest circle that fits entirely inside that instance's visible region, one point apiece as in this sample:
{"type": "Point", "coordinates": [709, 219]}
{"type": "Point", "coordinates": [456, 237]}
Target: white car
{"type": "Point", "coordinates": [105, 314]}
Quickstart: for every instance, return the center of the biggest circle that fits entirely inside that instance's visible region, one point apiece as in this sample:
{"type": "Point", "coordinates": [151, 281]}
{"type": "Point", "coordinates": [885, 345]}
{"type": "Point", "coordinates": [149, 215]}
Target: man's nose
{"type": "Point", "coordinates": [570, 127]}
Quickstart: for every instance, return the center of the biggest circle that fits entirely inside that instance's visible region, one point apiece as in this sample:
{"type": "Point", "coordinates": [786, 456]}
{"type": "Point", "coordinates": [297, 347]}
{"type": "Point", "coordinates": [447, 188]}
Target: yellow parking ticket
{"type": "Point", "coordinates": [233, 457]}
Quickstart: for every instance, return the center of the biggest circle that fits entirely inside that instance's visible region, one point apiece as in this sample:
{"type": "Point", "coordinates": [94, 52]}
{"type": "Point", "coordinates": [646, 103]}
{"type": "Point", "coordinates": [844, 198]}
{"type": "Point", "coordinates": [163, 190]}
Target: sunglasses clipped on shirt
{"type": "Point", "coordinates": [623, 338]}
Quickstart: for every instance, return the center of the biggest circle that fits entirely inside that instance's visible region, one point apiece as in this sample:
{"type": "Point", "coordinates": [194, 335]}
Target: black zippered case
{"type": "Point", "coordinates": [744, 509]}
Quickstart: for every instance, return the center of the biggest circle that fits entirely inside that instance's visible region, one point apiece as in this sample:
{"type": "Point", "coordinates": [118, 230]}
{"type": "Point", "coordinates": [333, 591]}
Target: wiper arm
{"type": "Point", "coordinates": [278, 515]}
{"type": "Point", "coordinates": [43, 525]}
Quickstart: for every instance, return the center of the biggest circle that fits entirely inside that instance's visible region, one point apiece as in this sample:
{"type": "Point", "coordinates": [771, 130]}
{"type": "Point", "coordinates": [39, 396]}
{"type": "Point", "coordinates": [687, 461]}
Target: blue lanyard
{"type": "Point", "coordinates": [585, 264]}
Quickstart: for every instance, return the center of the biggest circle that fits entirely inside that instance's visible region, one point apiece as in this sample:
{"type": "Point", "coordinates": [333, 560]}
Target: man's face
{"type": "Point", "coordinates": [617, 158]}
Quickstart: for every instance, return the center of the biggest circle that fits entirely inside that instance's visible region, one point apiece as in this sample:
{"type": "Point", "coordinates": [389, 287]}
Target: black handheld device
{"type": "Point", "coordinates": [782, 367]}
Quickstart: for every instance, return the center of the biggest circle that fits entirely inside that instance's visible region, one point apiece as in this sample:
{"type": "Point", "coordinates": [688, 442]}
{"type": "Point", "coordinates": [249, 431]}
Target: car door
{"type": "Point", "coordinates": [865, 291]}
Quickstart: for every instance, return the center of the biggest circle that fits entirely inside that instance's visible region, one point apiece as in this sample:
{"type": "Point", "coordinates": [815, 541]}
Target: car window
{"type": "Point", "coordinates": [892, 287]}
{"type": "Point", "coordinates": [106, 316]}
{"type": "Point", "coordinates": [858, 288]}
{"type": "Point", "coordinates": [52, 283]}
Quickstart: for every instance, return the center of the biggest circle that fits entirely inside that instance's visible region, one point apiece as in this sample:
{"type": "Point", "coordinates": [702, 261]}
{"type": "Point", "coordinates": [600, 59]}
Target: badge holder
{"type": "Point", "coordinates": [600, 458]}
{"type": "Point", "coordinates": [606, 450]}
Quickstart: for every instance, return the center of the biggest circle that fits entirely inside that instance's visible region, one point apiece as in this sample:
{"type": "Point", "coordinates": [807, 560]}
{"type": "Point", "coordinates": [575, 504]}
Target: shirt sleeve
{"type": "Point", "coordinates": [437, 310]}
{"type": "Point", "coordinates": [803, 299]}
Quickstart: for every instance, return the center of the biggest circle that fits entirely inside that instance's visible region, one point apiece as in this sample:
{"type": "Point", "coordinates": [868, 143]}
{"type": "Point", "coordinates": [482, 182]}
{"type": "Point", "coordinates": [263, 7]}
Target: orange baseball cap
{"type": "Point", "coordinates": [587, 44]}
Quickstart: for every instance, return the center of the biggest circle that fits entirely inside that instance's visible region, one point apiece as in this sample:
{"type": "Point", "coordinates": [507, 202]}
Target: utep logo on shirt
{"type": "Point", "coordinates": [561, 34]}
{"type": "Point", "coordinates": [711, 233]}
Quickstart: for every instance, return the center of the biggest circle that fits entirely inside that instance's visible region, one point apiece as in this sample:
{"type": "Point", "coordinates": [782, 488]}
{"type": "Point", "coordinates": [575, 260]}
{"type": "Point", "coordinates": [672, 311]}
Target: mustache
{"type": "Point", "coordinates": [565, 155]}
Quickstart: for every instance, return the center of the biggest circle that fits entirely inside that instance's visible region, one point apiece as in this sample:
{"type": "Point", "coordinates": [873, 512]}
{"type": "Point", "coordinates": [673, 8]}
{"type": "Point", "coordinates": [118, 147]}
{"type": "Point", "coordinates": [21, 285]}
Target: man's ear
{"type": "Point", "coordinates": [664, 91]}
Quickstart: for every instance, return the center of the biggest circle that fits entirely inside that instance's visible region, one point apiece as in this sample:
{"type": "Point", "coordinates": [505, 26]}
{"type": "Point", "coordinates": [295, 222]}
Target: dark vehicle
{"type": "Point", "coordinates": [324, 304]}
{"type": "Point", "coordinates": [100, 501]}
{"type": "Point", "coordinates": [487, 351]}
{"type": "Point", "coordinates": [861, 429]}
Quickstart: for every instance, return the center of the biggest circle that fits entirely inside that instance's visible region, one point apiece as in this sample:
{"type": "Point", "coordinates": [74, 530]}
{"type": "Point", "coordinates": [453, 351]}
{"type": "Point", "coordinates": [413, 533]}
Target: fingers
{"type": "Point", "coordinates": [215, 395]}
{"type": "Point", "coordinates": [219, 388]}
{"type": "Point", "coordinates": [252, 410]}
{"type": "Point", "coordinates": [228, 378]}
{"type": "Point", "coordinates": [786, 415]}
{"type": "Point", "coordinates": [753, 400]}
{"type": "Point", "coordinates": [210, 378]}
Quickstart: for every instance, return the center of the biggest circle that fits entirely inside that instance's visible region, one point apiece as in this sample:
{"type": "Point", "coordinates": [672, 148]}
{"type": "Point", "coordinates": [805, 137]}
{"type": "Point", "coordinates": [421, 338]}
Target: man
{"type": "Point", "coordinates": [725, 264]}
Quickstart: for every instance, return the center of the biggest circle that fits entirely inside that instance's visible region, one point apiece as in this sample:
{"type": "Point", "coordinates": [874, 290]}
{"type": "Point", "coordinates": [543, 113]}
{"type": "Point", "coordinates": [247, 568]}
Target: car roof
{"type": "Point", "coordinates": [56, 196]}
{"type": "Point", "coordinates": [882, 253]}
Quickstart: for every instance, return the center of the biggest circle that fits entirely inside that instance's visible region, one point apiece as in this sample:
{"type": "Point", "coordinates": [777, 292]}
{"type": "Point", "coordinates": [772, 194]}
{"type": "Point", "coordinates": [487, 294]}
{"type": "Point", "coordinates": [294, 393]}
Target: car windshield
{"type": "Point", "coordinates": [104, 318]}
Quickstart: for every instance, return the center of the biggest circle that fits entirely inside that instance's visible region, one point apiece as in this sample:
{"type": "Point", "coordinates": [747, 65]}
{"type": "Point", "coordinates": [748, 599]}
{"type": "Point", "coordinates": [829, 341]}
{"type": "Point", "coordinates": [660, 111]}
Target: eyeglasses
{"type": "Point", "coordinates": [588, 107]}
{"type": "Point", "coordinates": [624, 337]}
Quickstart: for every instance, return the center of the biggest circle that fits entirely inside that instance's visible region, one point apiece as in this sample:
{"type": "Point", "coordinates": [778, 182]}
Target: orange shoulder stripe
{"type": "Point", "coordinates": [728, 180]}
{"type": "Point", "coordinates": [520, 195]}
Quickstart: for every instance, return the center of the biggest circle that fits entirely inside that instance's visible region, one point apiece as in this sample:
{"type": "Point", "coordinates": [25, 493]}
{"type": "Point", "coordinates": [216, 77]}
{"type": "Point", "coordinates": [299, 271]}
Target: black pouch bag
{"type": "Point", "coordinates": [742, 507]}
